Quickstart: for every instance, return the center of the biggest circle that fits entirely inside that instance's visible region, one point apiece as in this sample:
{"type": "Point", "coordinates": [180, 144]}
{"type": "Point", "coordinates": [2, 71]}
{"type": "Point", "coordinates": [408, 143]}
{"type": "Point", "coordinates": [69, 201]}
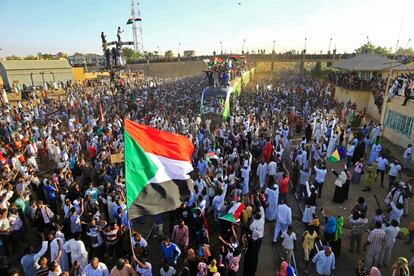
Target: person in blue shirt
{"type": "Point", "coordinates": [94, 192]}
{"type": "Point", "coordinates": [202, 167]}
{"type": "Point", "coordinates": [50, 194]}
{"type": "Point", "coordinates": [170, 252]}
{"type": "Point", "coordinates": [325, 262]}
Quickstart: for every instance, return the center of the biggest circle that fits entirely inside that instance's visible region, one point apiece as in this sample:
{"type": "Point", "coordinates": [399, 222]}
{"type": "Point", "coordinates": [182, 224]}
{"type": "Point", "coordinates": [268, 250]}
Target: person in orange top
{"type": "Point", "coordinates": [284, 185]}
{"type": "Point", "coordinates": [267, 151]}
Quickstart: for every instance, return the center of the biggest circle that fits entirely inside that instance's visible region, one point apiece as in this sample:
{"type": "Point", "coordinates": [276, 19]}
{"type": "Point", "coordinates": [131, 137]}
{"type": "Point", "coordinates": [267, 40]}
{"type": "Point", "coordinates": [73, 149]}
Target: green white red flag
{"type": "Point", "coordinates": [157, 165]}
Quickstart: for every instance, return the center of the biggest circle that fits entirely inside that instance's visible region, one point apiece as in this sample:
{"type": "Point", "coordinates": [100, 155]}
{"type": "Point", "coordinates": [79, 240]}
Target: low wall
{"type": "Point", "coordinates": [78, 74]}
{"type": "Point", "coordinates": [372, 109]}
{"type": "Point", "coordinates": [360, 98]}
{"type": "Point", "coordinates": [170, 69]}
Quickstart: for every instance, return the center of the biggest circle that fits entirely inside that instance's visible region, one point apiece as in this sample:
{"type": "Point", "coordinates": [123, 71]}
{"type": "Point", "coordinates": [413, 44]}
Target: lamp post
{"type": "Point", "coordinates": [178, 52]}
{"type": "Point", "coordinates": [329, 48]}
{"type": "Point", "coordinates": [273, 56]}
{"type": "Point", "coordinates": [43, 77]}
{"type": "Point", "coordinates": [304, 54]}
{"type": "Point", "coordinates": [221, 47]}
{"type": "Point", "coordinates": [244, 41]}
{"type": "Point", "coordinates": [387, 87]}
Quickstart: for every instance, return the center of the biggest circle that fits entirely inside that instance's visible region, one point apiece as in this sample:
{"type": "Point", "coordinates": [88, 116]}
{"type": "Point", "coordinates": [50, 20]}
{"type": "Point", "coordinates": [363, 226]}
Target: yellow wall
{"type": "Point", "coordinates": [171, 69]}
{"type": "Point", "coordinates": [408, 110]}
{"type": "Point", "coordinates": [78, 74]}
{"type": "Point", "coordinates": [94, 75]}
{"type": "Point", "coordinates": [359, 97]}
{"type": "Point", "coordinates": [372, 109]}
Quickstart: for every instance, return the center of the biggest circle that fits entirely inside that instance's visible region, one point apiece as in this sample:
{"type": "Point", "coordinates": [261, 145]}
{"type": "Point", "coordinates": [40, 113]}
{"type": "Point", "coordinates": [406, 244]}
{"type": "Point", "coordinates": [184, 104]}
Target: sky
{"type": "Point", "coordinates": [51, 26]}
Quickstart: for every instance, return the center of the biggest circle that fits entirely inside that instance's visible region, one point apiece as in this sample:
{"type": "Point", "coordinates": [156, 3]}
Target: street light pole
{"type": "Point", "coordinates": [329, 48]}
{"type": "Point", "coordinates": [387, 87]}
{"type": "Point", "coordinates": [303, 58]}
{"type": "Point", "coordinates": [244, 41]}
{"type": "Point", "coordinates": [274, 47]}
{"type": "Point", "coordinates": [178, 52]}
{"type": "Point", "coordinates": [221, 47]}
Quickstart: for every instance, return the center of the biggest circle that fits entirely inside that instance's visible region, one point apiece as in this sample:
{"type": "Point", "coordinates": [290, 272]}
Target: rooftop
{"type": "Point", "coordinates": [366, 62]}
{"type": "Point", "coordinates": [34, 64]}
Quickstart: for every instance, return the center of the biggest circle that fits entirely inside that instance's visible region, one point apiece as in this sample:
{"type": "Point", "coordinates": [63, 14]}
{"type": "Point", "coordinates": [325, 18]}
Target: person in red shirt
{"type": "Point", "coordinates": [267, 151]}
{"type": "Point", "coordinates": [92, 151]}
{"type": "Point", "coordinates": [284, 185]}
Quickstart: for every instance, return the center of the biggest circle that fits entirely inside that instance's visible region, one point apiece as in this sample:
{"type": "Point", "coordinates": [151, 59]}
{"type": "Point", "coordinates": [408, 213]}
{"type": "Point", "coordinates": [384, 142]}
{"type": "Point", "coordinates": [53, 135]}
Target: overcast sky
{"type": "Point", "coordinates": [51, 26]}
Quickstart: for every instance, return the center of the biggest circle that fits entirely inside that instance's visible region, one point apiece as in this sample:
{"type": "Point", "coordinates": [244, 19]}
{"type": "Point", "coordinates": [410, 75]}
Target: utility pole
{"type": "Point", "coordinates": [329, 48]}
{"type": "Point", "coordinates": [387, 87]}
{"type": "Point", "coordinates": [221, 47]}
{"type": "Point", "coordinates": [244, 41]}
{"type": "Point", "coordinates": [303, 58]}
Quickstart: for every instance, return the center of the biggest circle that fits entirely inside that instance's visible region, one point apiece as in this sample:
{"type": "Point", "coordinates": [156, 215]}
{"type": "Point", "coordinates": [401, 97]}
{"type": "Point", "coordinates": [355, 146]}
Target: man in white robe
{"type": "Point", "coordinates": [245, 173]}
{"type": "Point", "coordinates": [262, 173]}
{"type": "Point", "coordinates": [77, 251]}
{"type": "Point", "coordinates": [54, 251]}
{"type": "Point", "coordinates": [272, 200]}
{"type": "Point", "coordinates": [332, 145]}
{"type": "Point", "coordinates": [283, 220]}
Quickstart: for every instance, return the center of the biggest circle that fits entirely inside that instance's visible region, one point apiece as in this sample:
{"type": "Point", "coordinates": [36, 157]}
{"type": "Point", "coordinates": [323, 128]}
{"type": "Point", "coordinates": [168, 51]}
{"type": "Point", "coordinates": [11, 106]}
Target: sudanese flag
{"type": "Point", "coordinates": [157, 165]}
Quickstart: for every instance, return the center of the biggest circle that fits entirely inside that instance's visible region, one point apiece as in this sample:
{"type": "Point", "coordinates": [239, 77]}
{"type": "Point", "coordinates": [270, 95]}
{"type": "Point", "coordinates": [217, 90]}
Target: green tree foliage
{"type": "Point", "coordinates": [30, 57]}
{"type": "Point", "coordinates": [130, 55]}
{"type": "Point", "coordinates": [405, 51]}
{"type": "Point", "coordinates": [12, 57]}
{"type": "Point", "coordinates": [317, 71]}
{"type": "Point", "coordinates": [369, 48]}
{"type": "Point", "coordinates": [169, 55]}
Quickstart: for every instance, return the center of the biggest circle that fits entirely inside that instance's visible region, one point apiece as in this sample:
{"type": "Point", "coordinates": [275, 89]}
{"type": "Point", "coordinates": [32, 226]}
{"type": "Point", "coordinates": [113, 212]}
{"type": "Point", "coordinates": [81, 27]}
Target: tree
{"type": "Point", "coordinates": [168, 55]}
{"type": "Point", "coordinates": [30, 57]}
{"type": "Point", "coordinates": [130, 55]}
{"type": "Point", "coordinates": [317, 70]}
{"type": "Point", "coordinates": [61, 55]}
{"type": "Point", "coordinates": [369, 48]}
{"type": "Point", "coordinates": [405, 51]}
{"type": "Point", "coordinates": [12, 57]}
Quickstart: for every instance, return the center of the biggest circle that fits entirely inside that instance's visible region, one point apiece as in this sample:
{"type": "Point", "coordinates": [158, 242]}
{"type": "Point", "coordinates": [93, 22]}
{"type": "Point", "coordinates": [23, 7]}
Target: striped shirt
{"type": "Point", "coordinates": [42, 271]}
{"type": "Point", "coordinates": [376, 239]}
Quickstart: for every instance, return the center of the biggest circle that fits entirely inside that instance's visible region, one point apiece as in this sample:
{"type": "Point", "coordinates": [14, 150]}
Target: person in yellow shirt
{"type": "Point", "coordinates": [308, 237]}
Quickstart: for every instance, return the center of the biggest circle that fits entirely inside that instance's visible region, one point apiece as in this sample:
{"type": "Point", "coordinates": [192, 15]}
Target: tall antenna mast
{"type": "Point", "coordinates": [139, 38]}
{"type": "Point", "coordinates": [134, 26]}
{"type": "Point", "coordinates": [138, 44]}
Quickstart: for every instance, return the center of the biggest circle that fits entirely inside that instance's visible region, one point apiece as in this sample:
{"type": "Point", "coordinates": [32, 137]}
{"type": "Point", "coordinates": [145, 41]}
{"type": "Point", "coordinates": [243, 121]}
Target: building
{"type": "Point", "coordinates": [34, 72]}
{"type": "Point", "coordinates": [79, 60]}
{"type": "Point", "coordinates": [397, 120]}
{"type": "Point", "coordinates": [189, 53]}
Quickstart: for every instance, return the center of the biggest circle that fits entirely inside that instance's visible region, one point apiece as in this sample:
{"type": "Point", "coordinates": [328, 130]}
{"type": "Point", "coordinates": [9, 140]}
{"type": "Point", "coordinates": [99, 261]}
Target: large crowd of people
{"type": "Point", "coordinates": [64, 189]}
